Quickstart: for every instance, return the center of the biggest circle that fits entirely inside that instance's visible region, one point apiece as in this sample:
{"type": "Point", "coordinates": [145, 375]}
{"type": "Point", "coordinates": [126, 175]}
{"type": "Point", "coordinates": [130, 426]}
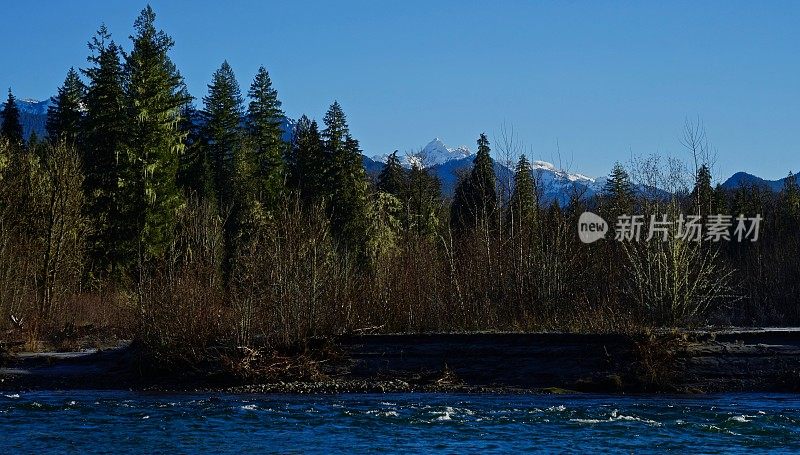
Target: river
{"type": "Point", "coordinates": [134, 422]}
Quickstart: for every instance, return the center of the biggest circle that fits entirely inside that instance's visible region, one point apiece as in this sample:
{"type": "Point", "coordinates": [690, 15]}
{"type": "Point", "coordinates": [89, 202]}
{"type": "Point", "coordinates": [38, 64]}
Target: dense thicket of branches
{"type": "Point", "coordinates": [189, 228]}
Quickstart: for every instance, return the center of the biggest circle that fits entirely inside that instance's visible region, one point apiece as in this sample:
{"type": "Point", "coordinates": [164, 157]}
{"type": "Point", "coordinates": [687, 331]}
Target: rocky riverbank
{"type": "Point", "coordinates": [684, 362]}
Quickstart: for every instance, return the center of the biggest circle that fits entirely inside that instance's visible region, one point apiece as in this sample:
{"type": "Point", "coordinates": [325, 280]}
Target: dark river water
{"type": "Point", "coordinates": [134, 422]}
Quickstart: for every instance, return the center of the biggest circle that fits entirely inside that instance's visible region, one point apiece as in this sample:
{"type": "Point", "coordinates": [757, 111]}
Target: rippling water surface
{"type": "Point", "coordinates": [132, 422]}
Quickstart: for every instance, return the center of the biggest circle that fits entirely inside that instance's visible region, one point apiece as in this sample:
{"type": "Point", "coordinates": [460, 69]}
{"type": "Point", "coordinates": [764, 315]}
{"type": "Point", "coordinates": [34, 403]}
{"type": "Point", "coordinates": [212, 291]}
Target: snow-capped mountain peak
{"type": "Point", "coordinates": [435, 153]}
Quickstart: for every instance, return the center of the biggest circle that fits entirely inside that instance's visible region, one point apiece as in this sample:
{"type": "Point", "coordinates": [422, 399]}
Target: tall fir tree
{"type": "Point", "coordinates": [333, 138]}
{"type": "Point", "coordinates": [103, 136]}
{"type": "Point", "coordinates": [523, 205]}
{"type": "Point", "coordinates": [347, 179]}
{"type": "Point", "coordinates": [307, 161]}
{"type": "Point", "coordinates": [703, 193]}
{"type": "Point", "coordinates": [11, 127]}
{"type": "Point", "coordinates": [155, 95]}
{"type": "Point", "coordinates": [336, 129]}
{"type": "Point", "coordinates": [393, 179]}
{"type": "Point", "coordinates": [222, 133]}
{"type": "Point", "coordinates": [65, 114]}
{"type": "Point", "coordinates": [475, 200]}
{"type": "Point", "coordinates": [618, 192]}
{"type": "Point", "coordinates": [264, 116]}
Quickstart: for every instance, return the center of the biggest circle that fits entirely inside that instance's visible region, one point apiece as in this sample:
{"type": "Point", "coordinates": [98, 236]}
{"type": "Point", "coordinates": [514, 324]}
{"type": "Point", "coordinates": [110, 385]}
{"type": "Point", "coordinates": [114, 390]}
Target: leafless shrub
{"type": "Point", "coordinates": [676, 281]}
{"type": "Point", "coordinates": [291, 283]}
{"type": "Point", "coordinates": [181, 309]}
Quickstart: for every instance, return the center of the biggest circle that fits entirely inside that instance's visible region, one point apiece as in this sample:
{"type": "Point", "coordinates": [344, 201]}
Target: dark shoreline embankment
{"type": "Point", "coordinates": [684, 362]}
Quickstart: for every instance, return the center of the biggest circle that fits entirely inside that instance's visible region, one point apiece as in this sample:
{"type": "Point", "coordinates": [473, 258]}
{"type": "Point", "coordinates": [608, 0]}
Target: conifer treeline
{"type": "Point", "coordinates": [200, 225]}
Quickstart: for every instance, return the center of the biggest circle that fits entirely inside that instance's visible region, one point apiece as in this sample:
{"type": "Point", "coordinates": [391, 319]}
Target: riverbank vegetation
{"type": "Point", "coordinates": [198, 226]}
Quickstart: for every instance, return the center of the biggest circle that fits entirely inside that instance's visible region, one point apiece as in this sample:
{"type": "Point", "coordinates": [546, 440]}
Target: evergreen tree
{"type": "Point", "coordinates": [703, 193]}
{"type": "Point", "coordinates": [155, 95]}
{"type": "Point", "coordinates": [195, 175]}
{"type": "Point", "coordinates": [330, 162]}
{"type": "Point", "coordinates": [720, 197]}
{"type": "Point", "coordinates": [347, 179]}
{"type": "Point", "coordinates": [65, 113]}
{"type": "Point", "coordinates": [103, 135]}
{"type": "Point", "coordinates": [11, 127]}
{"type": "Point", "coordinates": [336, 130]}
{"type": "Point", "coordinates": [392, 178]}
{"type": "Point", "coordinates": [222, 135]}
{"type": "Point", "coordinates": [307, 161]}
{"type": "Point", "coordinates": [424, 201]}
{"type": "Point", "coordinates": [264, 116]}
{"type": "Point", "coordinates": [618, 192]}
{"type": "Point", "coordinates": [349, 200]}
{"type": "Point", "coordinates": [475, 199]}
{"type": "Point", "coordinates": [523, 206]}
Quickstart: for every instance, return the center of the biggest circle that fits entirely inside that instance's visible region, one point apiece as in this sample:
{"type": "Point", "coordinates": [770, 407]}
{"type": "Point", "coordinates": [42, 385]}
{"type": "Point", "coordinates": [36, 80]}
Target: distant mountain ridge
{"type": "Point", "coordinates": [447, 163]}
{"type": "Point", "coordinates": [444, 162]}
{"type": "Point", "coordinates": [32, 116]}
{"type": "Point", "coordinates": [740, 179]}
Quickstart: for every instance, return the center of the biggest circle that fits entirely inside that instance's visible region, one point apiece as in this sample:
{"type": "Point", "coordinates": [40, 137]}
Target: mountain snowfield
{"type": "Point", "coordinates": [549, 176]}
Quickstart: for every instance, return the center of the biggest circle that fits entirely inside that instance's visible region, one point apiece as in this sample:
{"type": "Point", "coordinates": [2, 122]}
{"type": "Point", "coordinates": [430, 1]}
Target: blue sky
{"type": "Point", "coordinates": [598, 81]}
